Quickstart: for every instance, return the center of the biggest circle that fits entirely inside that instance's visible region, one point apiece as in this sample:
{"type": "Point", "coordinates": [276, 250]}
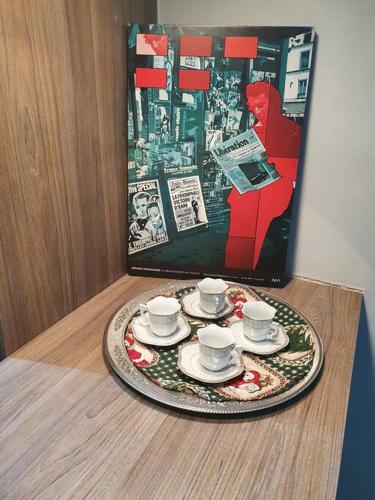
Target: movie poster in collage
{"type": "Point", "coordinates": [215, 121]}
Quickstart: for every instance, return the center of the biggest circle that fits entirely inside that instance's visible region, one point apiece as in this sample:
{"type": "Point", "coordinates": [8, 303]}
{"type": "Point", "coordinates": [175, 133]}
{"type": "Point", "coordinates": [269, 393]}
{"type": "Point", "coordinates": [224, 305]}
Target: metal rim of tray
{"type": "Point", "coordinates": [117, 356]}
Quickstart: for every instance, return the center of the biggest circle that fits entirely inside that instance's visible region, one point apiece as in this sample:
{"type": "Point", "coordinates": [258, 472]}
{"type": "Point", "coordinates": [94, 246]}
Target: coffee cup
{"type": "Point", "coordinates": [218, 348]}
{"type": "Point", "coordinates": [212, 295]}
{"type": "Point", "coordinates": [258, 321]}
{"type": "Point", "coordinates": [160, 314]}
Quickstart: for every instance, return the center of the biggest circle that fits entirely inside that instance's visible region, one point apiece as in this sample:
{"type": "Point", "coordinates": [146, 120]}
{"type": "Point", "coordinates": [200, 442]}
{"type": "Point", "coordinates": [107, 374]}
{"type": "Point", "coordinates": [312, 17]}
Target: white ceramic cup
{"type": "Point", "coordinates": [258, 321]}
{"type": "Point", "coordinates": [161, 315]}
{"type": "Point", "coordinates": [212, 295]}
{"type": "Point", "coordinates": [218, 348]}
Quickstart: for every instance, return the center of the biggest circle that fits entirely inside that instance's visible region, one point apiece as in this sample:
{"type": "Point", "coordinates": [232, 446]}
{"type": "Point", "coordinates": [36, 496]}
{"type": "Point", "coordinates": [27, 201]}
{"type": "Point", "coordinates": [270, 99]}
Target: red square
{"type": "Point", "coordinates": [195, 45]}
{"type": "Point", "coordinates": [151, 45]}
{"type": "Point", "coordinates": [151, 78]}
{"type": "Point", "coordinates": [194, 79]}
{"type": "Point", "coordinates": [241, 46]}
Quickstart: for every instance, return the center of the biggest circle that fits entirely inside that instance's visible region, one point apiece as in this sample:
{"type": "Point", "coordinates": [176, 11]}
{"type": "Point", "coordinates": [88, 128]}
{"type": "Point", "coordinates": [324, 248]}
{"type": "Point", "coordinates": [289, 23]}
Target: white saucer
{"type": "Point", "coordinates": [144, 334]}
{"type": "Point", "coordinates": [263, 347]}
{"type": "Point", "coordinates": [188, 363]}
{"type": "Point", "coordinates": [190, 304]}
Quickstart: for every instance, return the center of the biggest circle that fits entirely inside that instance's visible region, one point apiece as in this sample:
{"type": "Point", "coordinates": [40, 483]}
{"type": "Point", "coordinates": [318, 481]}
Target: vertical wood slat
{"type": "Point", "coordinates": [62, 156]}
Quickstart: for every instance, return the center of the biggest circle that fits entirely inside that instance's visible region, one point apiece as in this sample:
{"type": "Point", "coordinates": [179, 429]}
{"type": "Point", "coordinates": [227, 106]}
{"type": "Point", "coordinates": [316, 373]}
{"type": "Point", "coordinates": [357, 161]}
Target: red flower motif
{"type": "Point", "coordinates": [251, 378]}
{"type": "Point", "coordinates": [129, 340]}
{"type": "Point", "coordinates": [238, 304]}
{"type": "Point", "coordinates": [136, 356]}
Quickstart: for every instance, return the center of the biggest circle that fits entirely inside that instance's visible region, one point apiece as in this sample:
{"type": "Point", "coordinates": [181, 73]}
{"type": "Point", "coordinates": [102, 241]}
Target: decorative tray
{"type": "Point", "coordinates": [267, 381]}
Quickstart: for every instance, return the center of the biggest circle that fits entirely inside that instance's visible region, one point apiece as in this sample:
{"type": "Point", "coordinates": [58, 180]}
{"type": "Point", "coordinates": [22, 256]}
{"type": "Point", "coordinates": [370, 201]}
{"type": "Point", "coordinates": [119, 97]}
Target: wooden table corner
{"type": "Point", "coordinates": [69, 428]}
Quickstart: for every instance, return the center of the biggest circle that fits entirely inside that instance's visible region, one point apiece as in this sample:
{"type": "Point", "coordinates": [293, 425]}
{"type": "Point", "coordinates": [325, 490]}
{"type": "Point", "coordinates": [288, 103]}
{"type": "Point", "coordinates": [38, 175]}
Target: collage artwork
{"type": "Point", "coordinates": [215, 120]}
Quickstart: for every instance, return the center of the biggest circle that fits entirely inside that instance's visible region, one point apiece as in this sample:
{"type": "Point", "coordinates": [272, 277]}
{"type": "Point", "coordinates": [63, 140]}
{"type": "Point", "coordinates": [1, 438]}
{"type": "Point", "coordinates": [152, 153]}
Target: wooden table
{"type": "Point", "coordinates": [70, 429]}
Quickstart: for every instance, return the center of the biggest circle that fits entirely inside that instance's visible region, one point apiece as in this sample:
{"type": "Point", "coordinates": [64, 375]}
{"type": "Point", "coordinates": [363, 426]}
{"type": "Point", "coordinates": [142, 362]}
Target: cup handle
{"type": "Point", "coordinates": [217, 300]}
{"type": "Point", "coordinates": [143, 311]}
{"type": "Point", "coordinates": [236, 355]}
{"type": "Point", "coordinates": [273, 333]}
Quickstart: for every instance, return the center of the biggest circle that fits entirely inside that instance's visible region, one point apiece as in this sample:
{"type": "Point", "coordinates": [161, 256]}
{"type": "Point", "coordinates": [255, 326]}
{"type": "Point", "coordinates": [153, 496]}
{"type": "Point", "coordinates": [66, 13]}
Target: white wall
{"type": "Point", "coordinates": [335, 240]}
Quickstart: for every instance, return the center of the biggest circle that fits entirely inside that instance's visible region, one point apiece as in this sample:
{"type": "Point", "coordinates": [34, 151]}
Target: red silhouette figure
{"type": "Point", "coordinates": [251, 213]}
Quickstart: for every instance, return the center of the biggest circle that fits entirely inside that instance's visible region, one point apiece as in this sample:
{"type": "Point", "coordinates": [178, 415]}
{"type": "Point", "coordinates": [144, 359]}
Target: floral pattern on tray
{"type": "Point", "coordinates": [263, 376]}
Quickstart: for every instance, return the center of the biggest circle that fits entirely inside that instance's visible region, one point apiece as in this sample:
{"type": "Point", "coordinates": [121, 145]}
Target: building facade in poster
{"type": "Point", "coordinates": [215, 120]}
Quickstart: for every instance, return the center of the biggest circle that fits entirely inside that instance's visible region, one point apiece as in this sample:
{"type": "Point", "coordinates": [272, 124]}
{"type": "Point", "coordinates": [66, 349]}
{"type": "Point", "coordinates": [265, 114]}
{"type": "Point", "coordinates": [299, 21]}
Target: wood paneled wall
{"type": "Point", "coordinates": [62, 156]}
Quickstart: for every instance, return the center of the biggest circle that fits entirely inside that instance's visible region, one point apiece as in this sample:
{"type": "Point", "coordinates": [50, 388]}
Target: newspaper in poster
{"type": "Point", "coordinates": [172, 158]}
{"type": "Point", "coordinates": [187, 202]}
{"type": "Point", "coordinates": [146, 216]}
{"type": "Point", "coordinates": [190, 62]}
{"type": "Point", "coordinates": [243, 160]}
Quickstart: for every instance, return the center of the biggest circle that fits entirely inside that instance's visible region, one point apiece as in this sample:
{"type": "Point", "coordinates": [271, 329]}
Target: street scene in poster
{"type": "Point", "coordinates": [215, 120]}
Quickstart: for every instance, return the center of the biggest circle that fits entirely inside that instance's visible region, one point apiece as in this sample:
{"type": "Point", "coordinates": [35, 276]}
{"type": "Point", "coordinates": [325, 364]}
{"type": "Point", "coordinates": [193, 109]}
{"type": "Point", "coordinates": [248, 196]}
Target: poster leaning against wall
{"type": "Point", "coordinates": [215, 122]}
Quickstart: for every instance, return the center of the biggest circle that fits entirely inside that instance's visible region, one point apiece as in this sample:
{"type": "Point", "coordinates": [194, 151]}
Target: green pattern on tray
{"type": "Point", "coordinates": [263, 376]}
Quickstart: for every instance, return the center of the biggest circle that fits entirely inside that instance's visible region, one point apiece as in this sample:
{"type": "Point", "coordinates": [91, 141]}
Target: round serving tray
{"type": "Point", "coordinates": [116, 353]}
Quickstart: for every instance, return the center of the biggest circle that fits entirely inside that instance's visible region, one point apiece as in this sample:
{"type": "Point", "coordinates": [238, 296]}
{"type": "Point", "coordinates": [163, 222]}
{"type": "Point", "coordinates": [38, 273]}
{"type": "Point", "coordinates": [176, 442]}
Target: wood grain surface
{"type": "Point", "coordinates": [69, 428]}
{"type": "Point", "coordinates": [62, 156]}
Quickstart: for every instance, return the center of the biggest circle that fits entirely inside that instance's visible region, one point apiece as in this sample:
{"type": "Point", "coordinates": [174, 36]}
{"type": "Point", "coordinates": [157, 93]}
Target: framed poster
{"type": "Point", "coordinates": [215, 120]}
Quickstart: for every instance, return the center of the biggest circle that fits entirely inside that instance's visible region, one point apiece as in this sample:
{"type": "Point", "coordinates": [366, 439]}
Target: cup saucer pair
{"type": "Point", "coordinates": [266, 347]}
{"type": "Point", "coordinates": [143, 332]}
{"type": "Point", "coordinates": [189, 363]}
{"type": "Point", "coordinates": [191, 305]}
